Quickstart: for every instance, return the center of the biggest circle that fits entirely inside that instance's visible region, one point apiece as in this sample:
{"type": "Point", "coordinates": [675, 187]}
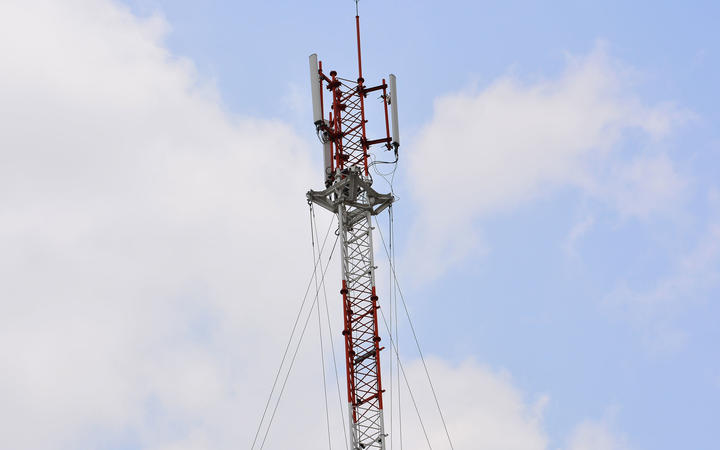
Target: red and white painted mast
{"type": "Point", "coordinates": [349, 195]}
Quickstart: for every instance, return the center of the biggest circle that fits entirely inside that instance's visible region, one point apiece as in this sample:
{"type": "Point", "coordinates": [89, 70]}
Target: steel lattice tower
{"type": "Point", "coordinates": [349, 195]}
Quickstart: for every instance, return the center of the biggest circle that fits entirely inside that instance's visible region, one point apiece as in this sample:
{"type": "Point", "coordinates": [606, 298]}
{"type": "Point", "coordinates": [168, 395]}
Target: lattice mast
{"type": "Point", "coordinates": [349, 194]}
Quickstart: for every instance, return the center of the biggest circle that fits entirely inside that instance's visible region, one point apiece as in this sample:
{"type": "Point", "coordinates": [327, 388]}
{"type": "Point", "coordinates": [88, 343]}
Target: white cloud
{"type": "Point", "coordinates": [654, 309]}
{"type": "Point", "coordinates": [593, 435]}
{"type": "Point", "coordinates": [695, 271]}
{"type": "Point", "coordinates": [489, 151]}
{"type": "Point", "coordinates": [482, 408]}
{"type": "Point", "coordinates": [145, 235]}
{"type": "Point", "coordinates": [577, 232]}
{"type": "Point", "coordinates": [642, 186]}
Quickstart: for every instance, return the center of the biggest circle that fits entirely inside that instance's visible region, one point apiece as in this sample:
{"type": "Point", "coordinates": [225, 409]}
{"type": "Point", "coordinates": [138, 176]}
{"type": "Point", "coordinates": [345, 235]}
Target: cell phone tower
{"type": "Point", "coordinates": [349, 195]}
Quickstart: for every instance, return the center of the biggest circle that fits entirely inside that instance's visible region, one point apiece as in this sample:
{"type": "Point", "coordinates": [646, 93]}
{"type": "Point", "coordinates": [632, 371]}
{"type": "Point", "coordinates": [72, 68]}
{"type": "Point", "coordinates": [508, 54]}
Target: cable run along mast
{"type": "Point", "coordinates": [349, 194]}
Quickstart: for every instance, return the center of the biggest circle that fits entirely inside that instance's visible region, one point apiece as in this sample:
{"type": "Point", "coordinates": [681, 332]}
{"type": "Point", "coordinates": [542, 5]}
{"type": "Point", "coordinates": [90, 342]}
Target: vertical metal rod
{"type": "Point", "coordinates": [347, 331]}
{"type": "Point", "coordinates": [375, 307]}
{"type": "Point", "coordinates": [363, 141]}
{"type": "Point", "coordinates": [332, 147]}
{"type": "Point", "coordinates": [385, 104]}
{"type": "Point", "coordinates": [322, 78]}
{"type": "Point", "coordinates": [357, 27]}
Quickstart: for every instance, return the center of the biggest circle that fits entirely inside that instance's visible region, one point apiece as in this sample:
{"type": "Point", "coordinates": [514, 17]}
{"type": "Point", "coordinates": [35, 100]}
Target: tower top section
{"type": "Point", "coordinates": [343, 128]}
{"type": "Point", "coordinates": [340, 119]}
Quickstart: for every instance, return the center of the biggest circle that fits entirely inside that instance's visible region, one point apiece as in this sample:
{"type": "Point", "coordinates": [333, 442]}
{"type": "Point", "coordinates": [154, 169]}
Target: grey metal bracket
{"type": "Point", "coordinates": [347, 189]}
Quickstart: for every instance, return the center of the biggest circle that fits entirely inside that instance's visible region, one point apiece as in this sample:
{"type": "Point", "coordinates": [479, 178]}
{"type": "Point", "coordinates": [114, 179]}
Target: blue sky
{"type": "Point", "coordinates": [525, 306]}
{"type": "Point", "coordinates": [584, 274]}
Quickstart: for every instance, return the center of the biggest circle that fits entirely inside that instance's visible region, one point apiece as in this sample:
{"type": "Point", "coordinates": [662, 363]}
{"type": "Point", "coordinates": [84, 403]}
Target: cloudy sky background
{"type": "Point", "coordinates": [558, 226]}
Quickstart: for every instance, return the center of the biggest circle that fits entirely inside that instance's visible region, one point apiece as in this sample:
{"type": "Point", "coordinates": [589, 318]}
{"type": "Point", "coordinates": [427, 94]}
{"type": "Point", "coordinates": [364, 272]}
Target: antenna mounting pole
{"type": "Point", "coordinates": [357, 27]}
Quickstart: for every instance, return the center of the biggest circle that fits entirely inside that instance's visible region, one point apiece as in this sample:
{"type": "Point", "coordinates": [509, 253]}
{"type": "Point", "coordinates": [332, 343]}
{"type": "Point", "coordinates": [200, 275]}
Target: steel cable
{"type": "Point", "coordinates": [395, 314]}
{"type": "Point", "coordinates": [292, 361]}
{"type": "Point", "coordinates": [332, 349]}
{"type": "Point", "coordinates": [290, 339]}
{"type": "Point", "coordinates": [417, 342]}
{"type": "Point", "coordinates": [407, 383]}
{"type": "Point", "coordinates": [313, 235]}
